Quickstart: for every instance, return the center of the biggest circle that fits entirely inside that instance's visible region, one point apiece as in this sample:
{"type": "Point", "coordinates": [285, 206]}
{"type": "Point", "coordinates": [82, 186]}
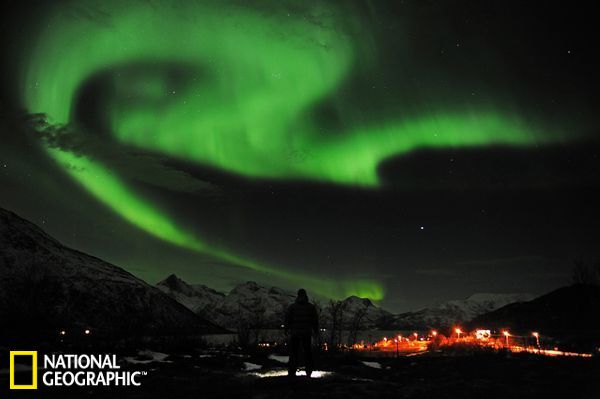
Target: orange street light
{"type": "Point", "coordinates": [536, 335]}
{"type": "Point", "coordinates": [434, 334]}
{"type": "Point", "coordinates": [458, 331]}
{"type": "Point", "coordinates": [506, 335]}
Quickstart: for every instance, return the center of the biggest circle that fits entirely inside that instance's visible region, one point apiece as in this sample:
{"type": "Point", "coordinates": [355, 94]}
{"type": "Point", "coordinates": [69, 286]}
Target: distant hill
{"type": "Point", "coordinates": [566, 312]}
{"type": "Point", "coordinates": [46, 287]}
{"type": "Point", "coordinates": [454, 312]}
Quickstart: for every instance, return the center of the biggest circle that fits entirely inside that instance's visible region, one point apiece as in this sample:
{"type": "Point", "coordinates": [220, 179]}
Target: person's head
{"type": "Point", "coordinates": [302, 296]}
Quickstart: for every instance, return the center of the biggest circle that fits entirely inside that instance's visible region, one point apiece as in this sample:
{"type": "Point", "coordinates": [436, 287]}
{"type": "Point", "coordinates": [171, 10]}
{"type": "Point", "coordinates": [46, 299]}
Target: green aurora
{"type": "Point", "coordinates": [247, 111]}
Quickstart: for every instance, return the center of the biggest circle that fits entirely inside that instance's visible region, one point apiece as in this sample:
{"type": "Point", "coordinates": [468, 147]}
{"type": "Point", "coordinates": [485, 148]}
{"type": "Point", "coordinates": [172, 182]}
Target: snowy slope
{"type": "Point", "coordinates": [254, 304]}
{"type": "Point", "coordinates": [247, 303]}
{"type": "Point", "coordinates": [456, 311]}
{"type": "Point", "coordinates": [198, 298]}
{"type": "Point", "coordinates": [261, 306]}
{"type": "Point", "coordinates": [45, 286]}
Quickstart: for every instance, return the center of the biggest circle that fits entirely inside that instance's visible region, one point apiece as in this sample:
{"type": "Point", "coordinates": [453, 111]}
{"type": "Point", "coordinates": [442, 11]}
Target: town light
{"type": "Point", "coordinates": [483, 334]}
{"type": "Point", "coordinates": [458, 331]}
{"type": "Point", "coordinates": [434, 333]}
{"type": "Point", "coordinates": [536, 335]}
{"type": "Point", "coordinates": [506, 335]}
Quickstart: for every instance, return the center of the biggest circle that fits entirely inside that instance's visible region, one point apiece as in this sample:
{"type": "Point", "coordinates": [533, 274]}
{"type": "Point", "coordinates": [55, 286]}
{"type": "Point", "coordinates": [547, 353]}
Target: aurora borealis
{"type": "Point", "coordinates": [246, 115]}
{"type": "Point", "coordinates": [304, 95]}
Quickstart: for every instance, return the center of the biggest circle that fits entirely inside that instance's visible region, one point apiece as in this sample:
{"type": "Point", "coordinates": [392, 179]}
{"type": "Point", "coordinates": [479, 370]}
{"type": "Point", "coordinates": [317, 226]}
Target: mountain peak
{"type": "Point", "coordinates": [174, 283]}
{"type": "Point", "coordinates": [356, 300]}
{"type": "Point", "coordinates": [172, 279]}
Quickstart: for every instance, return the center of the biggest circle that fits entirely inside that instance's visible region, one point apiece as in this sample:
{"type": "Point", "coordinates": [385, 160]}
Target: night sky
{"type": "Point", "coordinates": [408, 151]}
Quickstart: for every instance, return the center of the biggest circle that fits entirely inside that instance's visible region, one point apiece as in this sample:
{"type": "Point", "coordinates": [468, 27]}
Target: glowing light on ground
{"type": "Point", "coordinates": [477, 338]}
{"type": "Point", "coordinates": [284, 373]}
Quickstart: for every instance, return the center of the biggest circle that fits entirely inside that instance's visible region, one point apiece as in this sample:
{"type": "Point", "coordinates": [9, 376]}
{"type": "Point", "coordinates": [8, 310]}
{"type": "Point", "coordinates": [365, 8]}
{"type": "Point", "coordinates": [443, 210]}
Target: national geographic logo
{"type": "Point", "coordinates": [65, 370]}
{"type": "Point", "coordinates": [23, 355]}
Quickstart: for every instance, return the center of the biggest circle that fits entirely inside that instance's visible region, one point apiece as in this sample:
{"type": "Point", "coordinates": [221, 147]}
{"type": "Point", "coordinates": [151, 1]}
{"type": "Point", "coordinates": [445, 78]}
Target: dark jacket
{"type": "Point", "coordinates": [301, 317]}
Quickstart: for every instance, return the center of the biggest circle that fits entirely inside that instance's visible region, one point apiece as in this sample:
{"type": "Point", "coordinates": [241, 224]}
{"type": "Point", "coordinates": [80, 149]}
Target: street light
{"type": "Point", "coordinates": [506, 335]}
{"type": "Point", "coordinates": [458, 331]}
{"type": "Point", "coordinates": [536, 335]}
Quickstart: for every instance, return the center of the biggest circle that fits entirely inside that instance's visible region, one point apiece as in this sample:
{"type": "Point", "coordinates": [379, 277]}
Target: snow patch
{"type": "Point", "coordinates": [280, 358]}
{"type": "Point", "coordinates": [374, 365]}
{"type": "Point", "coordinates": [251, 366]}
{"type": "Point", "coordinates": [154, 357]}
{"type": "Point", "coordinates": [299, 373]}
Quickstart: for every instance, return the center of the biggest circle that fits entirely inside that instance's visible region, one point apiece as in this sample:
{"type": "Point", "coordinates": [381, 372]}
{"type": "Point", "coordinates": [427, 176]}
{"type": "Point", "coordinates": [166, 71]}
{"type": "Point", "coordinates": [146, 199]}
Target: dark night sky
{"type": "Point", "coordinates": [444, 220]}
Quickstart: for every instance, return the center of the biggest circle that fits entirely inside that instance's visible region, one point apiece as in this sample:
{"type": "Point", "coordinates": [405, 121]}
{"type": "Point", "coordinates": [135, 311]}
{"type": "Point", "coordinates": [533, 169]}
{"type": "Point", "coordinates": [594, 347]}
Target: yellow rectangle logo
{"type": "Point", "coordinates": [34, 370]}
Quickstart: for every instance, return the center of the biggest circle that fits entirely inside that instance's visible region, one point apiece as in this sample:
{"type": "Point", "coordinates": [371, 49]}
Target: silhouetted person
{"type": "Point", "coordinates": [301, 321]}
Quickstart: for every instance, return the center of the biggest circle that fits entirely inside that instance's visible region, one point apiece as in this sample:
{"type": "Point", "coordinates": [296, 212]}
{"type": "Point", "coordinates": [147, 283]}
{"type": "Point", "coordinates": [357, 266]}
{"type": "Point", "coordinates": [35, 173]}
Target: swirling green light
{"type": "Point", "coordinates": [115, 193]}
{"type": "Point", "coordinates": [260, 74]}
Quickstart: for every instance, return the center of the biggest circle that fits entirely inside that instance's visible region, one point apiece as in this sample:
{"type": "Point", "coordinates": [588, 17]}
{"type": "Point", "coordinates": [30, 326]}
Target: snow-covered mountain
{"type": "Point", "coordinates": [46, 287]}
{"type": "Point", "coordinates": [247, 303]}
{"type": "Point", "coordinates": [264, 307]}
{"type": "Point", "coordinates": [481, 303]}
{"type": "Point", "coordinates": [568, 312]}
{"type": "Point", "coordinates": [257, 305]}
{"type": "Point", "coordinates": [374, 316]}
{"type": "Point", "coordinates": [198, 298]}
{"type": "Point", "coordinates": [456, 311]}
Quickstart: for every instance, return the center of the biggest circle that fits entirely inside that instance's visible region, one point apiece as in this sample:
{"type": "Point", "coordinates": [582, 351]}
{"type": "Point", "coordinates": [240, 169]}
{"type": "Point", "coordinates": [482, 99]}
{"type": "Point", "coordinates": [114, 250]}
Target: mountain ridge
{"type": "Point", "coordinates": [219, 306]}
{"type": "Point", "coordinates": [46, 287]}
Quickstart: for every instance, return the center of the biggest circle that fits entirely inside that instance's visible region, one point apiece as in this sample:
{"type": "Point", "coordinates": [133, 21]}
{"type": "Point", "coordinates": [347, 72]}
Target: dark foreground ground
{"type": "Point", "coordinates": [440, 375]}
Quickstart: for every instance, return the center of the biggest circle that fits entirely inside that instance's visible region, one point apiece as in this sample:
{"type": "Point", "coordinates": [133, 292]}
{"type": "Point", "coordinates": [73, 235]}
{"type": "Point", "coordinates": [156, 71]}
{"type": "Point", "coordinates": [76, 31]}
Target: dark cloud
{"type": "Point", "coordinates": [130, 163]}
